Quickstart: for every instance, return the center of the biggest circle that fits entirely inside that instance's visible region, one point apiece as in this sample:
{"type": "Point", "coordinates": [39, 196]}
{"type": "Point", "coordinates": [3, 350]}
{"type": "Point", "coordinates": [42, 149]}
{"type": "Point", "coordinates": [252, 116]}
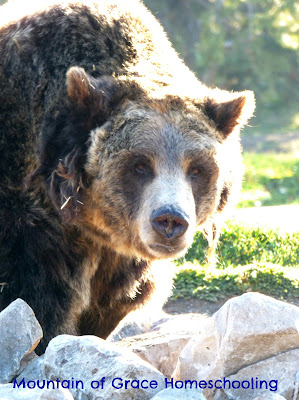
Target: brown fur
{"type": "Point", "coordinates": [102, 126]}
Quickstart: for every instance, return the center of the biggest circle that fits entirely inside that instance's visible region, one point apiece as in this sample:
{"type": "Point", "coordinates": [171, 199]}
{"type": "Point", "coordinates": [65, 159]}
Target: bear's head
{"type": "Point", "coordinates": [141, 175]}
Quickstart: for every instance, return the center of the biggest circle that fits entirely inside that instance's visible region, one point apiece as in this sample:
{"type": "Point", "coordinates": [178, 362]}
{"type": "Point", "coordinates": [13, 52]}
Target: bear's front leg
{"type": "Point", "coordinates": [38, 265]}
{"type": "Point", "coordinates": [50, 297]}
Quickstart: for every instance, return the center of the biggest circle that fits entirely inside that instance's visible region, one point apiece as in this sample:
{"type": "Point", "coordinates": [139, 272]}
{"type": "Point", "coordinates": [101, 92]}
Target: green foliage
{"type": "Point", "coordinates": [213, 284]}
{"type": "Point", "coordinates": [270, 179]}
{"type": "Point", "coordinates": [248, 261]}
{"type": "Point", "coordinates": [246, 245]}
{"type": "Point", "coordinates": [240, 245]}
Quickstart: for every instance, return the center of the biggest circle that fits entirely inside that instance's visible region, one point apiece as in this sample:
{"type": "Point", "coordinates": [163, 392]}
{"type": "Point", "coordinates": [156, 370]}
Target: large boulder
{"type": "Point", "coordinates": [9, 392]}
{"type": "Point", "coordinates": [276, 375]}
{"type": "Point", "coordinates": [135, 323]}
{"type": "Point", "coordinates": [182, 324]}
{"type": "Point", "coordinates": [246, 330]}
{"type": "Point", "coordinates": [270, 396]}
{"type": "Point", "coordinates": [164, 341]}
{"type": "Point", "coordinates": [144, 321]}
{"type": "Point", "coordinates": [160, 350]}
{"type": "Point", "coordinates": [179, 394]}
{"type": "Point", "coordinates": [89, 359]}
{"type": "Point", "coordinates": [33, 371]}
{"type": "Point", "coordinates": [20, 333]}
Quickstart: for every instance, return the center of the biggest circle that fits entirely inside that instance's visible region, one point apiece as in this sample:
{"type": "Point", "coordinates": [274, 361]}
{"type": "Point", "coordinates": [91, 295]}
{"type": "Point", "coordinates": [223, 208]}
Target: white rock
{"type": "Point", "coordinates": [159, 349]}
{"type": "Point", "coordinates": [26, 361]}
{"type": "Point", "coordinates": [179, 394]}
{"type": "Point", "coordinates": [279, 372]}
{"type": "Point", "coordinates": [143, 321]}
{"type": "Point", "coordinates": [163, 343]}
{"type": "Point", "coordinates": [8, 392]}
{"type": "Point", "coordinates": [89, 359]}
{"type": "Point", "coordinates": [218, 395]}
{"type": "Point", "coordinates": [247, 329]}
{"type": "Point", "coordinates": [183, 324]}
{"type": "Point", "coordinates": [135, 323]}
{"type": "Point", "coordinates": [270, 396]}
{"type": "Point", "coordinates": [33, 371]}
{"type": "Point", "coordinates": [20, 333]}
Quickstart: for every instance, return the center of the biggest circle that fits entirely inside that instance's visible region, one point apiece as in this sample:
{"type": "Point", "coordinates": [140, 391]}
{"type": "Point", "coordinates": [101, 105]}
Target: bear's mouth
{"type": "Point", "coordinates": [162, 247]}
{"type": "Point", "coordinates": [166, 249]}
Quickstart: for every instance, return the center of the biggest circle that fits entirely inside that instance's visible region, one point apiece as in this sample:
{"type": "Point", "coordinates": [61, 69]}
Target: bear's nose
{"type": "Point", "coordinates": [169, 222]}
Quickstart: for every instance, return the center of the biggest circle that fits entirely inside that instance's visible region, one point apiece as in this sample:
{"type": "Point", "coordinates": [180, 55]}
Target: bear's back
{"type": "Point", "coordinates": [38, 44]}
{"type": "Point", "coordinates": [40, 41]}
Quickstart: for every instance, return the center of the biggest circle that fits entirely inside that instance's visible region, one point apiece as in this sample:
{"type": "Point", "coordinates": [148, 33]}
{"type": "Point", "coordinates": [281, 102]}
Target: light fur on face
{"type": "Point", "coordinates": [167, 190]}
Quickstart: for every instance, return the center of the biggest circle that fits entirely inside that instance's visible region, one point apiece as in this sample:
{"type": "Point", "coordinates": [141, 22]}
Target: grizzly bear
{"type": "Point", "coordinates": [112, 155]}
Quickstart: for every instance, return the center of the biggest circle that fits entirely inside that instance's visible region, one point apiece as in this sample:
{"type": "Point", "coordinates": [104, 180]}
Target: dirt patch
{"type": "Point", "coordinates": [186, 306]}
{"type": "Point", "coordinates": [203, 307]}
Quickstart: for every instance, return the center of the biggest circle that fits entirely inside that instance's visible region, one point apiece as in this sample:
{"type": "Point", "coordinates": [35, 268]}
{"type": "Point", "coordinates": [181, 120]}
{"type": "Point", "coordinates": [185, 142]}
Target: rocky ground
{"type": "Point", "coordinates": [252, 341]}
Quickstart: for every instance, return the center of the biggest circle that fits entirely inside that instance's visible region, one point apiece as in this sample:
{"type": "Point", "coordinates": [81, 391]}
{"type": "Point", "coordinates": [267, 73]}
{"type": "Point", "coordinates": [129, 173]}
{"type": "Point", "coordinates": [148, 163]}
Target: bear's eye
{"type": "Point", "coordinates": [195, 171]}
{"type": "Point", "coordinates": [140, 168]}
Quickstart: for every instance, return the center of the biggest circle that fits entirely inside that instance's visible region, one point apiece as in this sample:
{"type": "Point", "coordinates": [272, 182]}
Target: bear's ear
{"type": "Point", "coordinates": [86, 92]}
{"type": "Point", "coordinates": [94, 100]}
{"type": "Point", "coordinates": [79, 85]}
{"type": "Point", "coordinates": [229, 111]}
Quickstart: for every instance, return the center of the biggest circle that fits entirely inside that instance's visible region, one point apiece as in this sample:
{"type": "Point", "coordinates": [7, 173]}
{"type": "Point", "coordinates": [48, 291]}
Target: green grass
{"type": "Point", "coordinates": [270, 179]}
{"type": "Point", "coordinates": [242, 245]}
{"type": "Point", "coordinates": [212, 284]}
{"type": "Point", "coordinates": [249, 259]}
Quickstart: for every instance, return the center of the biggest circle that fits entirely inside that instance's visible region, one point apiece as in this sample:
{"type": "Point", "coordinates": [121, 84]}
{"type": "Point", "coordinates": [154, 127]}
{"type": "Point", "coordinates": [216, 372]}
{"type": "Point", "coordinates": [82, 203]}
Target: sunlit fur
{"type": "Point", "coordinates": [171, 141]}
{"type": "Point", "coordinates": [101, 124]}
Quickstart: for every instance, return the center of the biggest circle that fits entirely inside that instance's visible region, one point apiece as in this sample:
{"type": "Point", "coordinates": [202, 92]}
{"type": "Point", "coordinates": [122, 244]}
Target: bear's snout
{"type": "Point", "coordinates": [167, 219]}
{"type": "Point", "coordinates": [168, 222]}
